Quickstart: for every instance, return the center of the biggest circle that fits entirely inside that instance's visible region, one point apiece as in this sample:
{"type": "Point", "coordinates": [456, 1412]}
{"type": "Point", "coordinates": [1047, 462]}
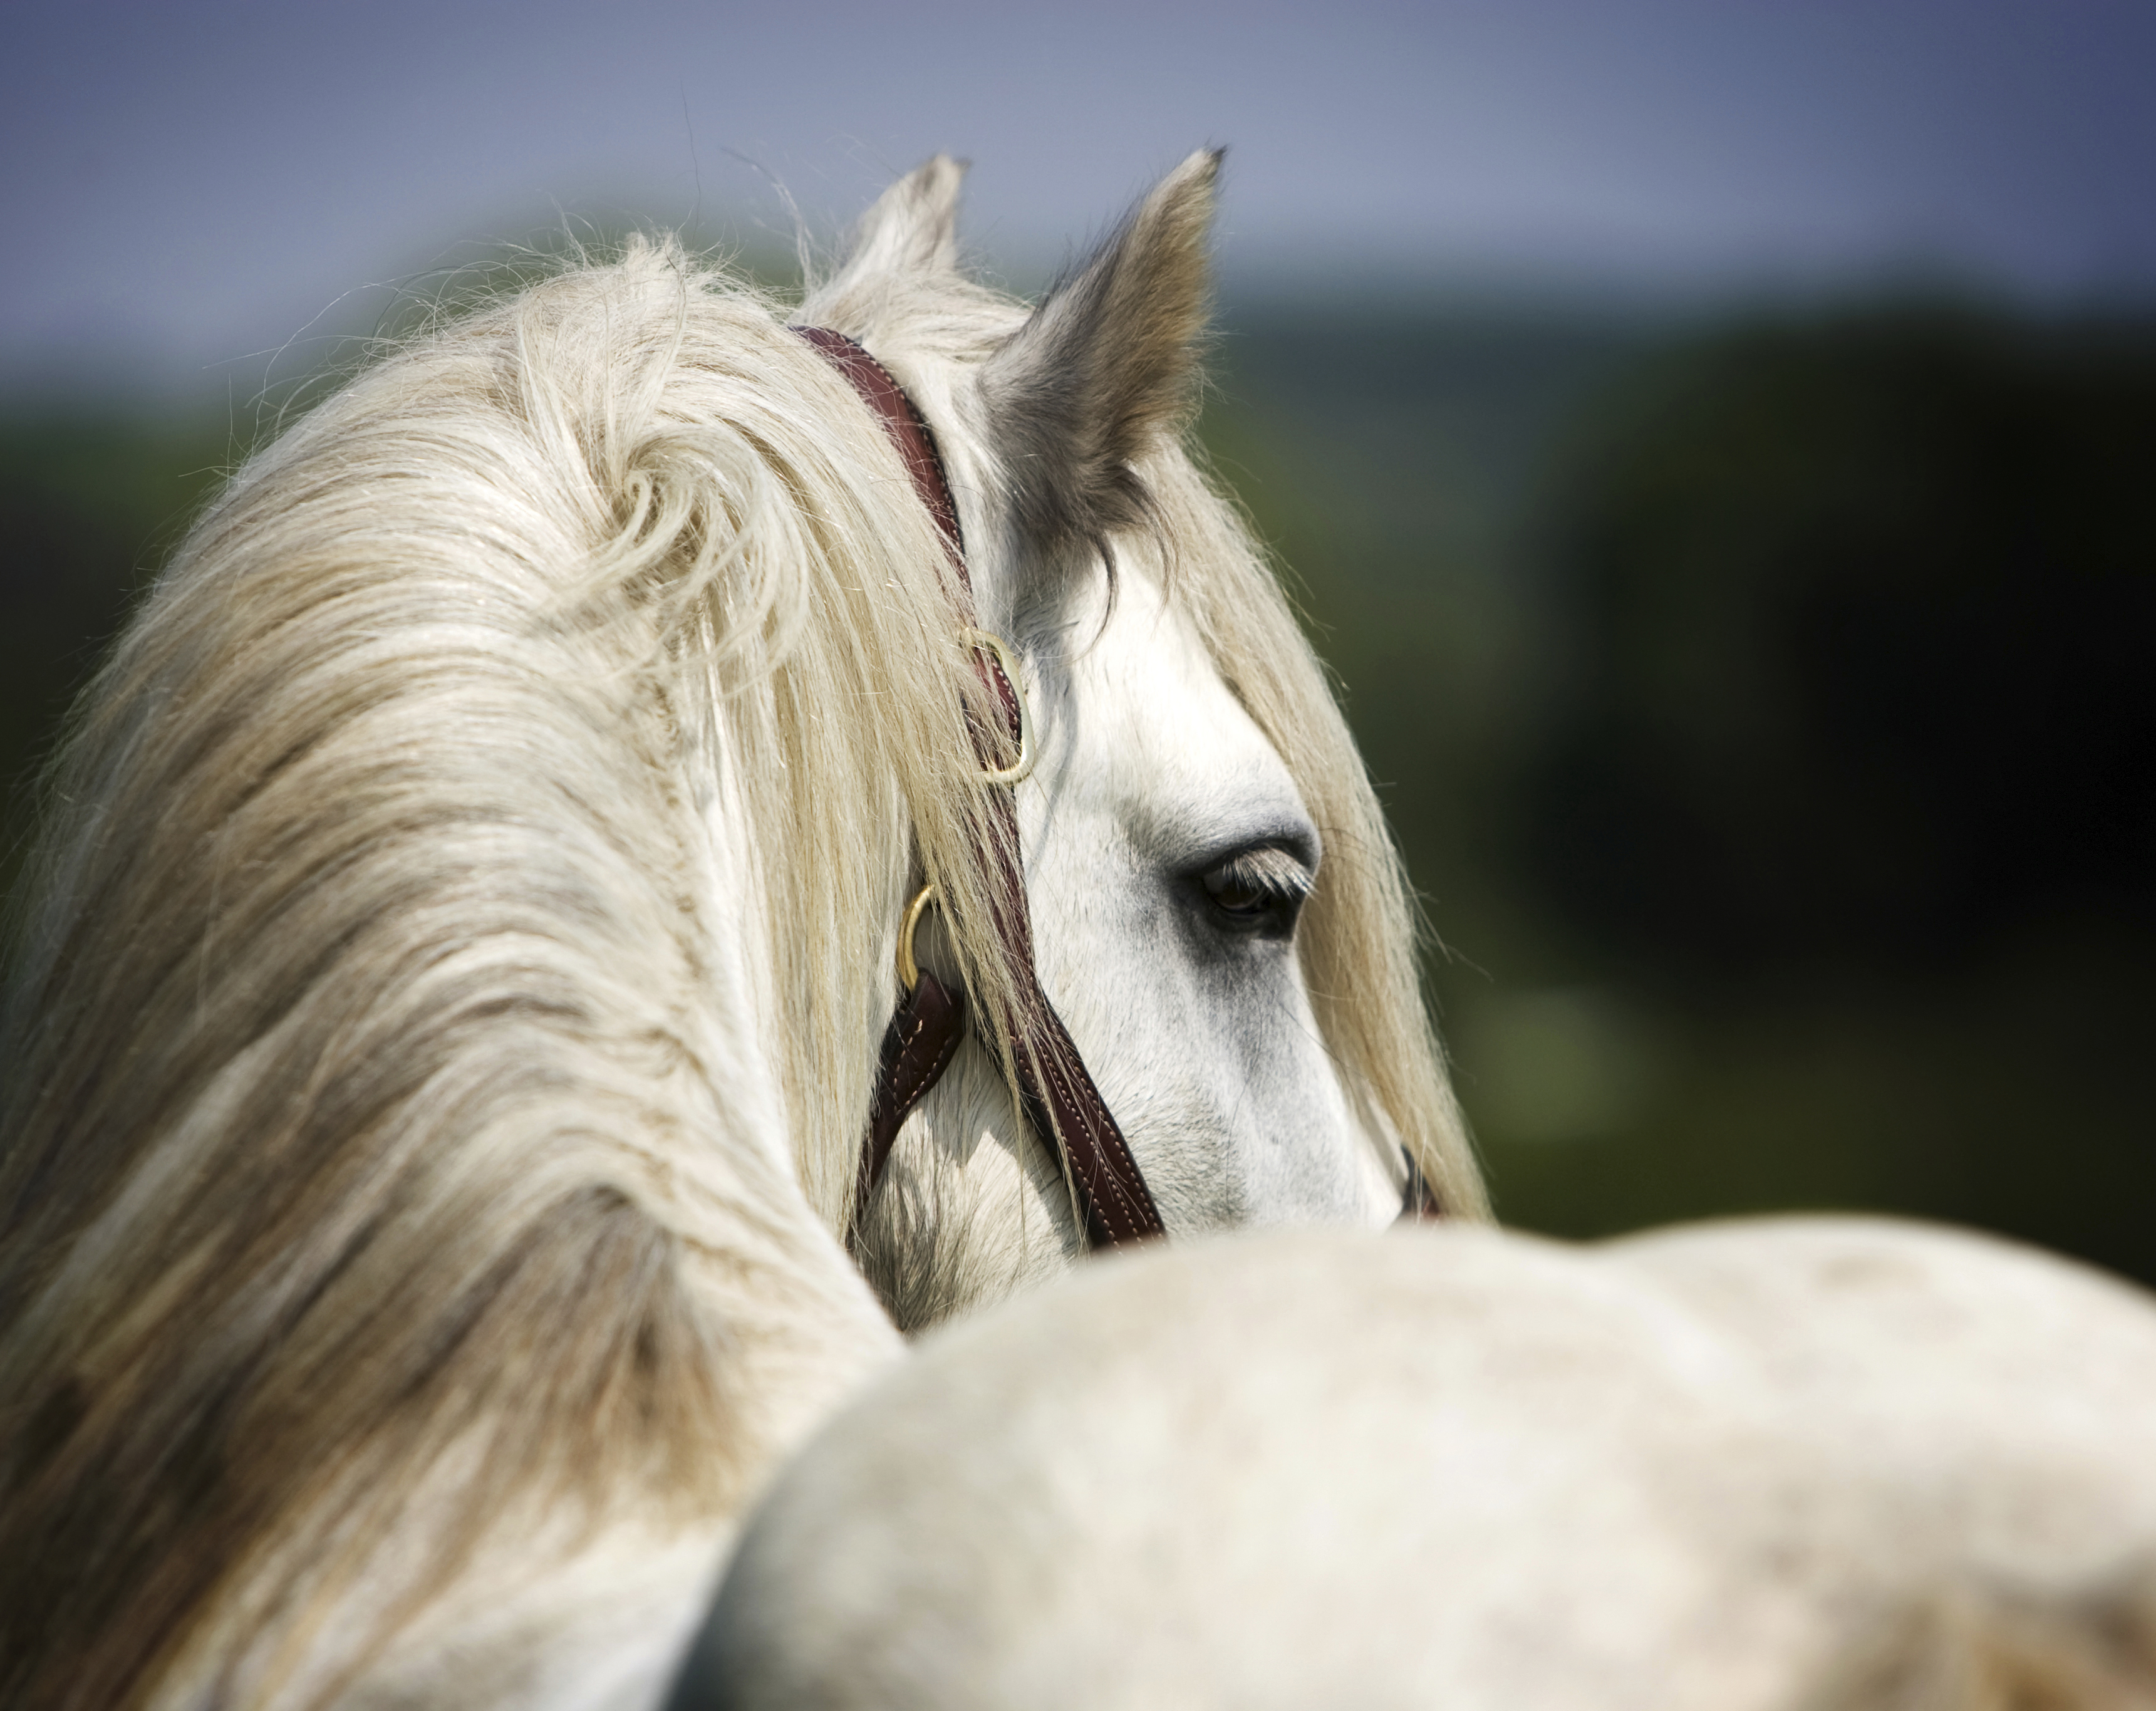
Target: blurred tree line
{"type": "Point", "coordinates": [89, 504]}
{"type": "Point", "coordinates": [1768, 710]}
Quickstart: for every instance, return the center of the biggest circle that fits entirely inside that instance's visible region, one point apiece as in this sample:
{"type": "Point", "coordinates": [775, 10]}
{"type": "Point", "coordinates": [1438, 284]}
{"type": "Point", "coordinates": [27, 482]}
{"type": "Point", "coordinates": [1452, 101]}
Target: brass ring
{"type": "Point", "coordinates": [909, 971]}
{"type": "Point", "coordinates": [1019, 768]}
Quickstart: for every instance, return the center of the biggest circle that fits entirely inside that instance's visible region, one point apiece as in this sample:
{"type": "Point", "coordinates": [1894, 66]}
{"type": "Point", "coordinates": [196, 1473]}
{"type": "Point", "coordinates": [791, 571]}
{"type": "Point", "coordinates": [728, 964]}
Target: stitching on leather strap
{"type": "Point", "coordinates": [909, 1095]}
{"type": "Point", "coordinates": [907, 428]}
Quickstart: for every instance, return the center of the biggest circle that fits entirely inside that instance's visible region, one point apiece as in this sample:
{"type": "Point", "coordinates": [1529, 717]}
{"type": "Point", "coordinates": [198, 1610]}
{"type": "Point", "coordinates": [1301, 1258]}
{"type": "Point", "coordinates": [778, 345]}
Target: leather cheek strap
{"type": "Point", "coordinates": [1056, 1090]}
{"type": "Point", "coordinates": [916, 1050]}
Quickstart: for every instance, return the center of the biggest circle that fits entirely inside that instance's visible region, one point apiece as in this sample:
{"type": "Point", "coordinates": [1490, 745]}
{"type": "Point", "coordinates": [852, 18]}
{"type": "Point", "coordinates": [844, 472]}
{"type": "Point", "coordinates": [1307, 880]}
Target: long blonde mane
{"type": "Point", "coordinates": [446, 1000]}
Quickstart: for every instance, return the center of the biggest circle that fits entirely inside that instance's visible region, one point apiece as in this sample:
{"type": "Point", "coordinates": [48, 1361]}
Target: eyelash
{"type": "Point", "coordinates": [1267, 883]}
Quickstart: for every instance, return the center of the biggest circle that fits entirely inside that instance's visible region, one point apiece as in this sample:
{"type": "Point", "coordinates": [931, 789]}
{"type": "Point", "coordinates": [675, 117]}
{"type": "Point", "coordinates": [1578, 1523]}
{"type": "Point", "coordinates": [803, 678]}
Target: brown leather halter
{"type": "Point", "coordinates": [1054, 1088]}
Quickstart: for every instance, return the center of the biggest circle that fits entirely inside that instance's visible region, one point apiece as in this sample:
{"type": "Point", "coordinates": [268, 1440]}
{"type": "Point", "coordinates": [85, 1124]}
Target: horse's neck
{"type": "Point", "coordinates": [820, 1329]}
{"type": "Point", "coordinates": [570, 1610]}
{"type": "Point", "coordinates": [741, 985]}
{"type": "Point", "coordinates": [975, 1210]}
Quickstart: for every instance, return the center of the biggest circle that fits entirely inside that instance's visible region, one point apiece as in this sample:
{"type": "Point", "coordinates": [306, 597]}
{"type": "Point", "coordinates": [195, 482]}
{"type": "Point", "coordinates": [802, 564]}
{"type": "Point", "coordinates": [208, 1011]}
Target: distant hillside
{"type": "Point", "coordinates": [89, 507]}
{"type": "Point", "coordinates": [1767, 711]}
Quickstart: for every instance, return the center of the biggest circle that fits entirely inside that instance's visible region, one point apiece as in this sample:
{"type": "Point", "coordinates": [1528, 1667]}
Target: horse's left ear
{"type": "Point", "coordinates": [1105, 365]}
{"type": "Point", "coordinates": [912, 228]}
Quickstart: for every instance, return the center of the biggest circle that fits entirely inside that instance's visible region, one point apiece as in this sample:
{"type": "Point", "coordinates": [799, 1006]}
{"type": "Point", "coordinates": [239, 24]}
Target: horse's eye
{"type": "Point", "coordinates": [1259, 890]}
{"type": "Point", "coordinates": [1236, 894]}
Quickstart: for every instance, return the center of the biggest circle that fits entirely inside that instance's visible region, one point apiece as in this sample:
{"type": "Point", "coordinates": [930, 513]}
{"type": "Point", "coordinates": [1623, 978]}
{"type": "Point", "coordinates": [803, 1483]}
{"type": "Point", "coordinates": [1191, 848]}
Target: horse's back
{"type": "Point", "coordinates": [1825, 1461]}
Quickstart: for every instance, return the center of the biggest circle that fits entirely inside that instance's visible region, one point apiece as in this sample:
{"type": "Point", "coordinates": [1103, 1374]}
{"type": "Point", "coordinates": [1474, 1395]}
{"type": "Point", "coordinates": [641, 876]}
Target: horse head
{"type": "Point", "coordinates": [1216, 908]}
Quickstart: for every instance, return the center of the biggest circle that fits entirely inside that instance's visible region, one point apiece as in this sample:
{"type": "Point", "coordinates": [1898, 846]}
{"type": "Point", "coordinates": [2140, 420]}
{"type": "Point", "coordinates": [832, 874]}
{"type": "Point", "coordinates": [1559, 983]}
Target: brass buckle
{"type": "Point", "coordinates": [909, 971]}
{"type": "Point", "coordinates": [1023, 766]}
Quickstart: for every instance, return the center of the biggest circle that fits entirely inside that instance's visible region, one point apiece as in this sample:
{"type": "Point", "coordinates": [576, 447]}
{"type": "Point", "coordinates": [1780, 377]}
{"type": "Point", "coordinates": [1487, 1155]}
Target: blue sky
{"type": "Point", "coordinates": [187, 186]}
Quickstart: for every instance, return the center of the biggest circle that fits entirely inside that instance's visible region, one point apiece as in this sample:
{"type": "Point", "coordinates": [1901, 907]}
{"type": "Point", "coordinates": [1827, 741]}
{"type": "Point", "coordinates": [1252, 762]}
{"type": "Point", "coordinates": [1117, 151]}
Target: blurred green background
{"type": "Point", "coordinates": [1766, 701]}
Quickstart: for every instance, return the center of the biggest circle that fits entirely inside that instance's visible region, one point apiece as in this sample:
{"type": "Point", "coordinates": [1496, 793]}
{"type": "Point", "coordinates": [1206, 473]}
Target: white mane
{"type": "Point", "coordinates": [447, 999]}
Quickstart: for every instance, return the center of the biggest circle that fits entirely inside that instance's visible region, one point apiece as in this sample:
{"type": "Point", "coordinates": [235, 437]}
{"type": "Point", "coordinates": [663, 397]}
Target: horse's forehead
{"type": "Point", "coordinates": [1154, 720]}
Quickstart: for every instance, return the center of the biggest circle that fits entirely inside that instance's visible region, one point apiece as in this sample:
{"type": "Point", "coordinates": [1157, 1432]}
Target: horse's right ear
{"type": "Point", "coordinates": [1105, 365]}
{"type": "Point", "coordinates": [912, 228]}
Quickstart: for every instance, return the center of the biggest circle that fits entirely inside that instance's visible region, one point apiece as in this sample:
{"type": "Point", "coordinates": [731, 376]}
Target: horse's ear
{"type": "Point", "coordinates": [1105, 365]}
{"type": "Point", "coordinates": [912, 228]}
